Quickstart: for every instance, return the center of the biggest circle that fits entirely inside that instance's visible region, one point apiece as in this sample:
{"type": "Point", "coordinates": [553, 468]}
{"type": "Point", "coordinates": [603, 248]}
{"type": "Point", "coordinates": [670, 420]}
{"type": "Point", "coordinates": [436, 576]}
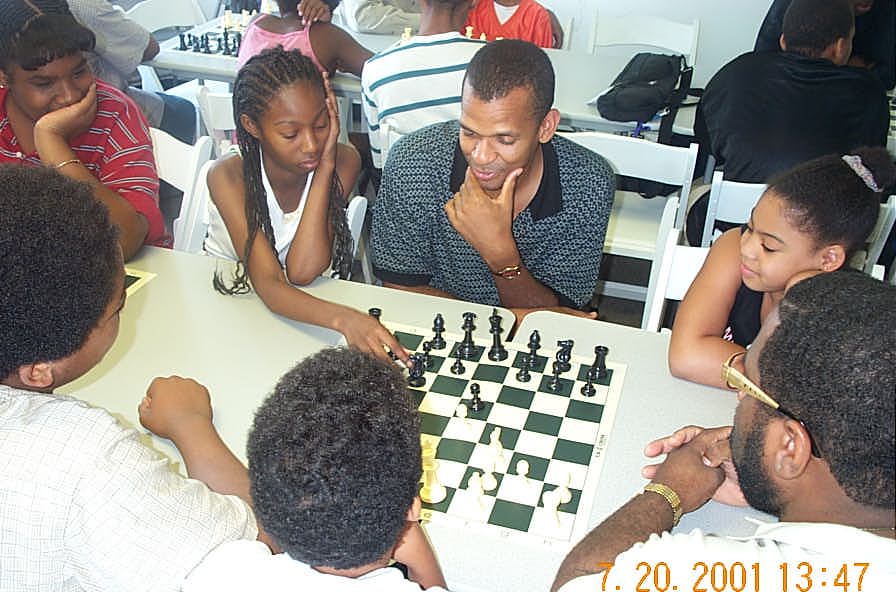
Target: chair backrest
{"type": "Point", "coordinates": [354, 214]}
{"type": "Point", "coordinates": [637, 157]}
{"type": "Point", "coordinates": [216, 114]}
{"type": "Point", "coordinates": [388, 136]}
{"type": "Point", "coordinates": [646, 30]}
{"type": "Point", "coordinates": [155, 15]}
{"type": "Point", "coordinates": [176, 162]}
{"type": "Point", "coordinates": [677, 268]}
{"type": "Point", "coordinates": [191, 225]}
{"type": "Point", "coordinates": [878, 237]}
{"type": "Point", "coordinates": [729, 201]}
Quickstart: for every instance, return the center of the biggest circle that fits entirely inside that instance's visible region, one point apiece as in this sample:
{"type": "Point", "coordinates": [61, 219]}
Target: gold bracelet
{"type": "Point", "coordinates": [670, 496]}
{"type": "Point", "coordinates": [69, 161]}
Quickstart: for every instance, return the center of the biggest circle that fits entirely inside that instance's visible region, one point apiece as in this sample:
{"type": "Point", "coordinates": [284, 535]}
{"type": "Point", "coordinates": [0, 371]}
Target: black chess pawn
{"type": "Point", "coordinates": [427, 359]}
{"type": "Point", "coordinates": [220, 45]}
{"type": "Point", "coordinates": [458, 366]}
{"type": "Point", "coordinates": [467, 349]}
{"type": "Point", "coordinates": [238, 40]}
{"type": "Point", "coordinates": [197, 43]}
{"type": "Point", "coordinates": [476, 403]}
{"type": "Point", "coordinates": [438, 327]}
{"type": "Point", "coordinates": [534, 346]}
{"type": "Point", "coordinates": [588, 389]}
{"type": "Point", "coordinates": [554, 382]}
{"type": "Point", "coordinates": [497, 351]}
{"type": "Point", "coordinates": [523, 374]}
{"type": "Point", "coordinates": [415, 374]}
{"type": "Point", "coordinates": [564, 354]}
{"type": "Point", "coordinates": [598, 370]}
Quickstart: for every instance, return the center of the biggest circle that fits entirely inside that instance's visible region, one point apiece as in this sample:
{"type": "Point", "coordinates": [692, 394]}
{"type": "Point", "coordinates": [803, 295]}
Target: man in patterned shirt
{"type": "Point", "coordinates": [497, 209]}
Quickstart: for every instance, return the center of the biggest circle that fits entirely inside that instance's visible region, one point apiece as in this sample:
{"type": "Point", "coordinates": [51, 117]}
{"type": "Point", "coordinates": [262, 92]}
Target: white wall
{"type": "Point", "coordinates": [727, 27]}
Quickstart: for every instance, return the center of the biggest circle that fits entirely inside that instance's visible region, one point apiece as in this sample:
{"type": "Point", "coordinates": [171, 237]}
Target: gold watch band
{"type": "Point", "coordinates": [670, 496]}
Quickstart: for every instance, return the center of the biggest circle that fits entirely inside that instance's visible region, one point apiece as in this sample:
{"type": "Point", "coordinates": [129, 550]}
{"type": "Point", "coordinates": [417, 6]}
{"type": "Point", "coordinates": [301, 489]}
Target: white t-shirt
{"type": "Point", "coordinates": [84, 505]}
{"type": "Point", "coordinates": [505, 12]}
{"type": "Point", "coordinates": [696, 560]}
{"type": "Point", "coordinates": [249, 565]}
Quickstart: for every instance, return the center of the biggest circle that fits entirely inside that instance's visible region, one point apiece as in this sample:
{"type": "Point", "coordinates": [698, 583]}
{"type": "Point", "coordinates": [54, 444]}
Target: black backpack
{"type": "Point", "coordinates": [649, 84]}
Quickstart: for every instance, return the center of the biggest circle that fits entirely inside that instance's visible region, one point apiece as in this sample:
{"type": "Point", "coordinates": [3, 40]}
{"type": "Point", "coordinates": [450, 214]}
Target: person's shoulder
{"type": "Point", "coordinates": [233, 565]}
{"type": "Point", "coordinates": [226, 171]}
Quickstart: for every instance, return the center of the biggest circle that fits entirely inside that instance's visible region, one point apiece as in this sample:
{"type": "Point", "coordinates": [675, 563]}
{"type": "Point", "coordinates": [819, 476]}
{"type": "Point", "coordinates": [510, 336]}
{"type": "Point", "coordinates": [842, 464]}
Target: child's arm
{"type": "Point", "coordinates": [337, 50]}
{"type": "Point", "coordinates": [697, 350]}
{"type": "Point", "coordinates": [414, 551]}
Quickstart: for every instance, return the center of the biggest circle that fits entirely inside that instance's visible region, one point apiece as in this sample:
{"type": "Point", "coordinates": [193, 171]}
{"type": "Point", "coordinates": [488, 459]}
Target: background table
{"type": "Point", "coordinates": [579, 76]}
{"type": "Point", "coordinates": [177, 324]}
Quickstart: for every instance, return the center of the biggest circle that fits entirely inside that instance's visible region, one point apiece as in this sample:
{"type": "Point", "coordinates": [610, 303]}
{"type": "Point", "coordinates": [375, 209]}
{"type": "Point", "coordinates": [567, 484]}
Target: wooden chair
{"type": "Point", "coordinates": [670, 279]}
{"type": "Point", "coordinates": [647, 31]}
{"type": "Point", "coordinates": [636, 222]}
{"type": "Point", "coordinates": [729, 201]}
{"type": "Point", "coordinates": [180, 165]}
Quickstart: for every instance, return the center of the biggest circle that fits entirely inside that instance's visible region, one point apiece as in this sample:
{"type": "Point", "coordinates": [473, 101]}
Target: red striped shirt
{"type": "Point", "coordinates": [116, 150]}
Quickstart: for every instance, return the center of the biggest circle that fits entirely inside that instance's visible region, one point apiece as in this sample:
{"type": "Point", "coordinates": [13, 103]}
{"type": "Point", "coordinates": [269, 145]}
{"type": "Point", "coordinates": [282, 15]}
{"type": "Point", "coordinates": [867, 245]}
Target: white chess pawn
{"type": "Point", "coordinates": [228, 18]}
{"type": "Point", "coordinates": [494, 440]}
{"type": "Point", "coordinates": [469, 31]}
{"type": "Point", "coordinates": [564, 495]}
{"type": "Point", "coordinates": [551, 500]}
{"type": "Point", "coordinates": [489, 481]}
{"type": "Point", "coordinates": [482, 37]}
{"type": "Point", "coordinates": [462, 412]}
{"type": "Point", "coordinates": [522, 469]}
{"type": "Point", "coordinates": [474, 488]}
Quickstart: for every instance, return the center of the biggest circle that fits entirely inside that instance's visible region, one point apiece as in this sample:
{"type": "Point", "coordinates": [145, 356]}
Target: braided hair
{"type": "Point", "coordinates": [257, 82]}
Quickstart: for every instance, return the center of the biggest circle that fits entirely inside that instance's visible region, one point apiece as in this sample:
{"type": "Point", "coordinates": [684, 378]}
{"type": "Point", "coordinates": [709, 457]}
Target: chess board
{"type": "Point", "coordinates": [561, 435]}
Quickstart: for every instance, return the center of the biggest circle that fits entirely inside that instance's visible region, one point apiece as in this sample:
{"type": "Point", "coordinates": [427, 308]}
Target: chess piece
{"type": "Point", "coordinates": [469, 32]}
{"type": "Point", "coordinates": [467, 349]}
{"type": "Point", "coordinates": [476, 403]}
{"type": "Point", "coordinates": [523, 374]}
{"type": "Point", "coordinates": [407, 34]}
{"type": "Point", "coordinates": [474, 488]}
{"type": "Point", "coordinates": [588, 389]}
{"type": "Point", "coordinates": [438, 327]}
{"type": "Point", "coordinates": [489, 481]}
{"type": "Point", "coordinates": [564, 495]}
{"type": "Point", "coordinates": [432, 491]}
{"type": "Point", "coordinates": [494, 440]}
{"type": "Point", "coordinates": [427, 359]}
{"type": "Point", "coordinates": [482, 37]}
{"type": "Point", "coordinates": [564, 354]}
{"type": "Point", "coordinates": [534, 346]}
{"type": "Point", "coordinates": [183, 42]}
{"type": "Point", "coordinates": [375, 313]}
{"type": "Point", "coordinates": [458, 366]}
{"type": "Point", "coordinates": [415, 376]}
{"type": "Point", "coordinates": [554, 382]}
{"type": "Point", "coordinates": [462, 412]}
{"type": "Point", "coordinates": [598, 370]}
{"type": "Point", "coordinates": [522, 469]}
{"type": "Point", "coordinates": [497, 351]}
{"type": "Point", "coordinates": [551, 501]}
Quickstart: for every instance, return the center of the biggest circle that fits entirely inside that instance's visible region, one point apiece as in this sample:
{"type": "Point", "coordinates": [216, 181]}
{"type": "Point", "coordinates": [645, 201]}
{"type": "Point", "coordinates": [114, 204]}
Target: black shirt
{"type": "Point", "coordinates": [765, 112]}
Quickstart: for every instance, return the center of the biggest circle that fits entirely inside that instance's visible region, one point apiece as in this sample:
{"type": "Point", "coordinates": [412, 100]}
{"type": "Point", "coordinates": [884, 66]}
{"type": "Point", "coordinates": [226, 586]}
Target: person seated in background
{"type": "Point", "coordinates": [764, 112]}
{"type": "Point", "coordinates": [53, 112]}
{"type": "Point", "coordinates": [85, 504]}
{"type": "Point", "coordinates": [328, 46]}
{"type": "Point", "coordinates": [495, 209]}
{"type": "Point", "coordinates": [383, 17]}
{"type": "Point", "coordinates": [334, 466]}
{"type": "Point", "coordinates": [418, 81]}
{"type": "Point", "coordinates": [812, 219]}
{"type": "Point", "coordinates": [511, 19]}
{"type": "Point", "coordinates": [874, 44]}
{"type": "Point", "coordinates": [121, 45]}
{"type": "Point", "coordinates": [813, 444]}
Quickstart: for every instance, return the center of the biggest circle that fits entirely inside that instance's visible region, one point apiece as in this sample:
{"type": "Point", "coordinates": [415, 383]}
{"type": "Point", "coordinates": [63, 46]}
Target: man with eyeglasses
{"type": "Point", "coordinates": [812, 444]}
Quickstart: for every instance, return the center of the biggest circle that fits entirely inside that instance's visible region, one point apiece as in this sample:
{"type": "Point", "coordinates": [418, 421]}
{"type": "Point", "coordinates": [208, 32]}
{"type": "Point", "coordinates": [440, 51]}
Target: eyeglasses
{"type": "Point", "coordinates": [736, 380]}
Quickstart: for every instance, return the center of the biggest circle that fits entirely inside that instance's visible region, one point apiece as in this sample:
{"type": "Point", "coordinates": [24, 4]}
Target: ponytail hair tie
{"type": "Point", "coordinates": [855, 163]}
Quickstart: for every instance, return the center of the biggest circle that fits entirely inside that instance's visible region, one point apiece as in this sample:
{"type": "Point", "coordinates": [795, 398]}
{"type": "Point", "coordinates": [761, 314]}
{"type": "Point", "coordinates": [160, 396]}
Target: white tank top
{"type": "Point", "coordinates": [284, 224]}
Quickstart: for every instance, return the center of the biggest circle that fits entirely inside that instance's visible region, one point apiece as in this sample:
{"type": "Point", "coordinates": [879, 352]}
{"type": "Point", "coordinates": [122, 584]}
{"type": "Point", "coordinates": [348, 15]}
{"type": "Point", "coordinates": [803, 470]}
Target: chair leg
{"type": "Point", "coordinates": [364, 256]}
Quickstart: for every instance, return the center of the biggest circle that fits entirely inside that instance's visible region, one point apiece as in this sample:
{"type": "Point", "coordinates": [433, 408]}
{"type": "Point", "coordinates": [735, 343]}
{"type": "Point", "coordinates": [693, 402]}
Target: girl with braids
{"type": "Point", "coordinates": [280, 203]}
{"type": "Point", "coordinates": [811, 219]}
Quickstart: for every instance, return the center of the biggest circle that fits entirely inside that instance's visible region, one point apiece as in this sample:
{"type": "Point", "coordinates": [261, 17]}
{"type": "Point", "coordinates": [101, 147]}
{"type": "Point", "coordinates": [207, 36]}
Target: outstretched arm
{"type": "Point", "coordinates": [685, 472]}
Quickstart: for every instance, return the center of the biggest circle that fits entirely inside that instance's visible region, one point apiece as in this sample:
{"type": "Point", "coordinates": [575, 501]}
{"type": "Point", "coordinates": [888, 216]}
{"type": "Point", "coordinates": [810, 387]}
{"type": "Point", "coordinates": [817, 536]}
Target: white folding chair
{"type": "Point", "coordinates": [179, 164]}
{"type": "Point", "coordinates": [648, 31]}
{"type": "Point", "coordinates": [867, 258]}
{"type": "Point", "coordinates": [670, 279]}
{"type": "Point", "coordinates": [216, 114]}
{"type": "Point", "coordinates": [636, 222]}
{"type": "Point", "coordinates": [191, 226]}
{"type": "Point", "coordinates": [355, 213]}
{"type": "Point", "coordinates": [729, 201]}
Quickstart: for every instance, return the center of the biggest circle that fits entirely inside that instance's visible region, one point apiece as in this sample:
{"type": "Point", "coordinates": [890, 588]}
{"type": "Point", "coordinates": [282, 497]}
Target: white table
{"type": "Point", "coordinates": [579, 76]}
{"type": "Point", "coordinates": [177, 324]}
